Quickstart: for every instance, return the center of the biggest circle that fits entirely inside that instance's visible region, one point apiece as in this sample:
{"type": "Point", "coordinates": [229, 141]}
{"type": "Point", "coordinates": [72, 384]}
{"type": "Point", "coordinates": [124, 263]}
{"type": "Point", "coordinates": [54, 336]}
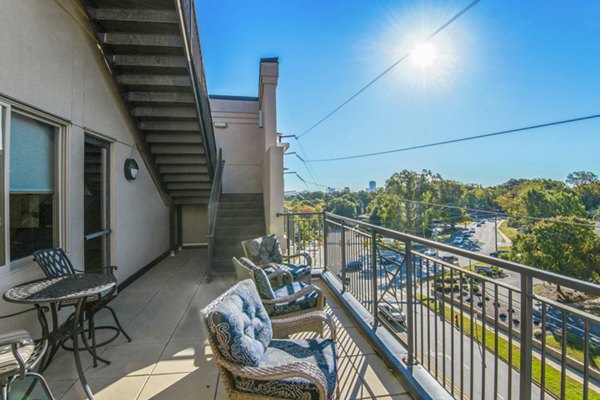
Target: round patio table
{"type": "Point", "coordinates": [74, 289]}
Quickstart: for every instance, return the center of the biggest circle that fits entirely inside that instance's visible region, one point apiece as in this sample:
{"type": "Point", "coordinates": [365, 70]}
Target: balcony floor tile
{"type": "Point", "coordinates": [169, 357]}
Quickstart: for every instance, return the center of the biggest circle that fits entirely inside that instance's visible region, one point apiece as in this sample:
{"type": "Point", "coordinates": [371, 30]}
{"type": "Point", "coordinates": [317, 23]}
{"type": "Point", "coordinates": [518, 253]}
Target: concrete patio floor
{"type": "Point", "coordinates": [169, 357]}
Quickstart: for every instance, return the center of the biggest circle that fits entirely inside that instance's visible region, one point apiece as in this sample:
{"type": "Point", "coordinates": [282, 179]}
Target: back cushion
{"type": "Point", "coordinates": [264, 250]}
{"type": "Point", "coordinates": [260, 279]}
{"type": "Point", "coordinates": [239, 325]}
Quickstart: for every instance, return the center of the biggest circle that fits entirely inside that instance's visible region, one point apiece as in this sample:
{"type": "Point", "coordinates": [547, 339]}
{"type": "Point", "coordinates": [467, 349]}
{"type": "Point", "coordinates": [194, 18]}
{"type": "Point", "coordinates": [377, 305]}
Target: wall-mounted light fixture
{"type": "Point", "coordinates": [131, 169]}
{"type": "Point", "coordinates": [220, 125]}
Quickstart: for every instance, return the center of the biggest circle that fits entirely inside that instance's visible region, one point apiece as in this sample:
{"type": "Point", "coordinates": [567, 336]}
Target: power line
{"type": "Point", "coordinates": [388, 69]}
{"type": "Point", "coordinates": [305, 181]}
{"type": "Point", "coordinates": [499, 213]}
{"type": "Point", "coordinates": [464, 139]}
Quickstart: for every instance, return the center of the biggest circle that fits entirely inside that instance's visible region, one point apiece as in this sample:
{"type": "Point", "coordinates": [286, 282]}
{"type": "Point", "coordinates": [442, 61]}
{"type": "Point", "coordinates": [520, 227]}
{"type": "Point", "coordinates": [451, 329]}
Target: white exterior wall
{"type": "Point", "coordinates": [253, 157]}
{"type": "Point", "coordinates": [242, 142]}
{"type": "Point", "coordinates": [49, 62]}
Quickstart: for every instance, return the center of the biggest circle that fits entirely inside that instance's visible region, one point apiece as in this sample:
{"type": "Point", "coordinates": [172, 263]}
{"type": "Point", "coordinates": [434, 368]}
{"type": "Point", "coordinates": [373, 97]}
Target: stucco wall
{"type": "Point", "coordinates": [242, 142]}
{"type": "Point", "coordinates": [49, 62]}
{"type": "Point", "coordinates": [194, 225]}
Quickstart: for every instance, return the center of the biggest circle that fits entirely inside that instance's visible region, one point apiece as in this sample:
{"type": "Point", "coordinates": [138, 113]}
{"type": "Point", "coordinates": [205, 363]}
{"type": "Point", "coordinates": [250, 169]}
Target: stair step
{"type": "Point", "coordinates": [242, 197]}
{"type": "Point", "coordinates": [230, 205]}
{"type": "Point", "coordinates": [258, 212]}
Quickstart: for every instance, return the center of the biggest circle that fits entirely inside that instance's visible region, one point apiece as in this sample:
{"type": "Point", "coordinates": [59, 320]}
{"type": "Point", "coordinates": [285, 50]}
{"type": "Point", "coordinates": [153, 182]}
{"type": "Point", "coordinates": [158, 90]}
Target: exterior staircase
{"type": "Point", "coordinates": [240, 217]}
{"type": "Point", "coordinates": [153, 51]}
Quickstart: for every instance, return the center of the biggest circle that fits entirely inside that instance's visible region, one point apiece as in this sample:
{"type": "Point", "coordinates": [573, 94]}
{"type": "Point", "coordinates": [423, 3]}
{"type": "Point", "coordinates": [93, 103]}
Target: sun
{"type": "Point", "coordinates": [424, 55]}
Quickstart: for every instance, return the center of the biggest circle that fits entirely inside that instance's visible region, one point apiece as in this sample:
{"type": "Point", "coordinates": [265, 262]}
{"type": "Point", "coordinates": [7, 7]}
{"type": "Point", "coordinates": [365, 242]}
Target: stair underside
{"type": "Point", "coordinates": [144, 47]}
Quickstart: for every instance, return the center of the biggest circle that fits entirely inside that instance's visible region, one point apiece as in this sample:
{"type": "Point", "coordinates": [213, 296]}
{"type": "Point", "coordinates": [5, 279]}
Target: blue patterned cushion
{"type": "Point", "coordinates": [264, 250]}
{"type": "Point", "coordinates": [300, 272]}
{"type": "Point", "coordinates": [303, 303]}
{"type": "Point", "coordinates": [319, 352]}
{"type": "Point", "coordinates": [263, 285]}
{"type": "Point", "coordinates": [239, 325]}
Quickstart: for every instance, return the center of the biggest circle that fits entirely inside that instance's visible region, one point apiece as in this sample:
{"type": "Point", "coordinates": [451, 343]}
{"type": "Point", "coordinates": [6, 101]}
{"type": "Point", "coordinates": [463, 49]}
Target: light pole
{"type": "Point", "coordinates": [496, 230]}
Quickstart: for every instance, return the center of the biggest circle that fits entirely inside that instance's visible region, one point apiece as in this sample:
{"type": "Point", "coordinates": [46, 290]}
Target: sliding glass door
{"type": "Point", "coordinates": [97, 204]}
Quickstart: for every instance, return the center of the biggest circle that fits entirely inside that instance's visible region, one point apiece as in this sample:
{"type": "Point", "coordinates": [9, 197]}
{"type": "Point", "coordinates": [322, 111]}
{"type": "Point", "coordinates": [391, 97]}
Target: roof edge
{"type": "Point", "coordinates": [225, 97]}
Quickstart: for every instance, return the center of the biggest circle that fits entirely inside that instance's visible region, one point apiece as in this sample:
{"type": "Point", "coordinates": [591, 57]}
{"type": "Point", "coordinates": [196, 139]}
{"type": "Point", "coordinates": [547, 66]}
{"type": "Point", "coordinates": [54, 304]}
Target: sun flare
{"type": "Point", "coordinates": [424, 55]}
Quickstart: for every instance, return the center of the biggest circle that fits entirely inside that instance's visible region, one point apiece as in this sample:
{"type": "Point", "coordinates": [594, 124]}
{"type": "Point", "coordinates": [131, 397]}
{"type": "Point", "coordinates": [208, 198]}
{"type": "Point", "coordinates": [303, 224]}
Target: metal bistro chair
{"type": "Point", "coordinates": [254, 364]}
{"type": "Point", "coordinates": [19, 356]}
{"type": "Point", "coordinates": [55, 263]}
{"type": "Point", "coordinates": [267, 250]}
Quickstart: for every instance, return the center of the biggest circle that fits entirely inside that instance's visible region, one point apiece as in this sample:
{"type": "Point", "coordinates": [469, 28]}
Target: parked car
{"type": "Point", "coordinates": [429, 252]}
{"type": "Point", "coordinates": [458, 239]}
{"type": "Point", "coordinates": [355, 265]}
{"type": "Point", "coordinates": [392, 314]}
{"type": "Point", "coordinates": [450, 259]}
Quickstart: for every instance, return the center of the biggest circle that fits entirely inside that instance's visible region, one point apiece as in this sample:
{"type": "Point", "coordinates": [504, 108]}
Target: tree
{"type": "Point", "coordinates": [581, 178]}
{"type": "Point", "coordinates": [587, 187]}
{"type": "Point", "coordinates": [342, 206]}
{"type": "Point", "coordinates": [560, 247]}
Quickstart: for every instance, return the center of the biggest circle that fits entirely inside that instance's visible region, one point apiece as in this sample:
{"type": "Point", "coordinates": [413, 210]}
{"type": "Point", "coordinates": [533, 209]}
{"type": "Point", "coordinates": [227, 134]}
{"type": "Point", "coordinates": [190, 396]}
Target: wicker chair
{"type": "Point", "coordinates": [266, 250]}
{"type": "Point", "coordinates": [285, 301]}
{"type": "Point", "coordinates": [277, 276]}
{"type": "Point", "coordinates": [254, 364]}
{"type": "Point", "coordinates": [55, 263]}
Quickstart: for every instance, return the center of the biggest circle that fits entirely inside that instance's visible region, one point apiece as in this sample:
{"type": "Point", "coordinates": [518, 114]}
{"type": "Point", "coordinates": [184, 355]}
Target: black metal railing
{"type": "Point", "coordinates": [196, 67]}
{"type": "Point", "coordinates": [480, 333]}
{"type": "Point", "coordinates": [213, 204]}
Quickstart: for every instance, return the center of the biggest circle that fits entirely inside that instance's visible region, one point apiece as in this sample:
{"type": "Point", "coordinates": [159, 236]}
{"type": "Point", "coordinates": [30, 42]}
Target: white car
{"type": "Point", "coordinates": [458, 240]}
{"type": "Point", "coordinates": [429, 252]}
{"type": "Point", "coordinates": [392, 314]}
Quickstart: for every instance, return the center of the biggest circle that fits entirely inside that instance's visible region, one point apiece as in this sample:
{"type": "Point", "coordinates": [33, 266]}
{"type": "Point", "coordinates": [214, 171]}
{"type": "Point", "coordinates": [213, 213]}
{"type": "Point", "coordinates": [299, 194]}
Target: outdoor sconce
{"type": "Point", "coordinates": [131, 169]}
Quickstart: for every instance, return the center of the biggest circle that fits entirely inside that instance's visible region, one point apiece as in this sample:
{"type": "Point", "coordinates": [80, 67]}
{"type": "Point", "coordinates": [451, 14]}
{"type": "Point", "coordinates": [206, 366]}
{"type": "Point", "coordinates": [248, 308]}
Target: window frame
{"type": "Point", "coordinates": [61, 176]}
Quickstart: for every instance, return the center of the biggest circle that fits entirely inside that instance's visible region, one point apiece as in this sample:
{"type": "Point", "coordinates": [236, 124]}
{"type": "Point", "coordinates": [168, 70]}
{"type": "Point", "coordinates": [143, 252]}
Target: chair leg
{"type": "Point", "coordinates": [4, 392]}
{"type": "Point", "coordinates": [44, 384]}
{"type": "Point", "coordinates": [118, 323]}
{"type": "Point", "coordinates": [92, 334]}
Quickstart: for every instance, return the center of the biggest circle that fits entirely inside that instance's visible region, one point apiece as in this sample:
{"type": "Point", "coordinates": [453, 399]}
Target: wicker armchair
{"type": "Point", "coordinates": [266, 250]}
{"type": "Point", "coordinates": [277, 276]}
{"type": "Point", "coordinates": [287, 300]}
{"type": "Point", "coordinates": [254, 364]}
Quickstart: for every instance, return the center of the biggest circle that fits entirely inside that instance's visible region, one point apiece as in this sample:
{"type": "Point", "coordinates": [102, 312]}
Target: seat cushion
{"type": "Point", "coordinates": [300, 272]}
{"type": "Point", "coordinates": [303, 303]}
{"type": "Point", "coordinates": [239, 325]}
{"type": "Point", "coordinates": [319, 352]}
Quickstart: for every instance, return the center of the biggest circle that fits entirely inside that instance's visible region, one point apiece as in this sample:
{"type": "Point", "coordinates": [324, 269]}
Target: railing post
{"type": "Point", "coordinates": [409, 304]}
{"type": "Point", "coordinates": [526, 337]}
{"type": "Point", "coordinates": [374, 277]}
{"type": "Point", "coordinates": [325, 260]}
{"type": "Point", "coordinates": [343, 254]}
{"type": "Point", "coordinates": [288, 232]}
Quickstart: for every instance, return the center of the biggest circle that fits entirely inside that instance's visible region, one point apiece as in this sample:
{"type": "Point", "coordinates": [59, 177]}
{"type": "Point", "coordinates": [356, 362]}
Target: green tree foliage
{"type": "Point", "coordinates": [567, 249]}
{"type": "Point", "coordinates": [343, 206]}
{"type": "Point", "coordinates": [587, 187]}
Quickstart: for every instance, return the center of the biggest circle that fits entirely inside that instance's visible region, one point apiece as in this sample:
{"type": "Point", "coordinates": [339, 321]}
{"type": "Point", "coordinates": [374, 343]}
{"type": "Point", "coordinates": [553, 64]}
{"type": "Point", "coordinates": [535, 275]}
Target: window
{"type": "Point", "coordinates": [3, 125]}
{"type": "Point", "coordinates": [32, 186]}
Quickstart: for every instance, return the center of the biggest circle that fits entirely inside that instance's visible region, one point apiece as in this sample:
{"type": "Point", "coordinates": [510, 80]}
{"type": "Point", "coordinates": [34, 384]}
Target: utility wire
{"type": "Point", "coordinates": [464, 139]}
{"type": "Point", "coordinates": [388, 69]}
{"type": "Point", "coordinates": [304, 180]}
{"type": "Point", "coordinates": [498, 213]}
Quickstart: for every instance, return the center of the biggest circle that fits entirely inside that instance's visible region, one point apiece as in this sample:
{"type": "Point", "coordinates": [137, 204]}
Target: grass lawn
{"type": "Point", "coordinates": [573, 389]}
{"type": "Point", "coordinates": [508, 231]}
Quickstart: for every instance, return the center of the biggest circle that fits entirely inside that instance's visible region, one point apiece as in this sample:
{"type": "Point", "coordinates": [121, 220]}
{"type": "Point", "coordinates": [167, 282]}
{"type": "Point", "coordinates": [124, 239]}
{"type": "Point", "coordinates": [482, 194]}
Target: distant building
{"type": "Point", "coordinates": [372, 186]}
{"type": "Point", "coordinates": [346, 188]}
{"type": "Point", "coordinates": [330, 190]}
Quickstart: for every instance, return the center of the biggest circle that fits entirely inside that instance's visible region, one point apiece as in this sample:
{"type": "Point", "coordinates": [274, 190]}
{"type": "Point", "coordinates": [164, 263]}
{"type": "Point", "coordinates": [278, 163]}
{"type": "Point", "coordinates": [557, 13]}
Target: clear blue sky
{"type": "Point", "coordinates": [504, 64]}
